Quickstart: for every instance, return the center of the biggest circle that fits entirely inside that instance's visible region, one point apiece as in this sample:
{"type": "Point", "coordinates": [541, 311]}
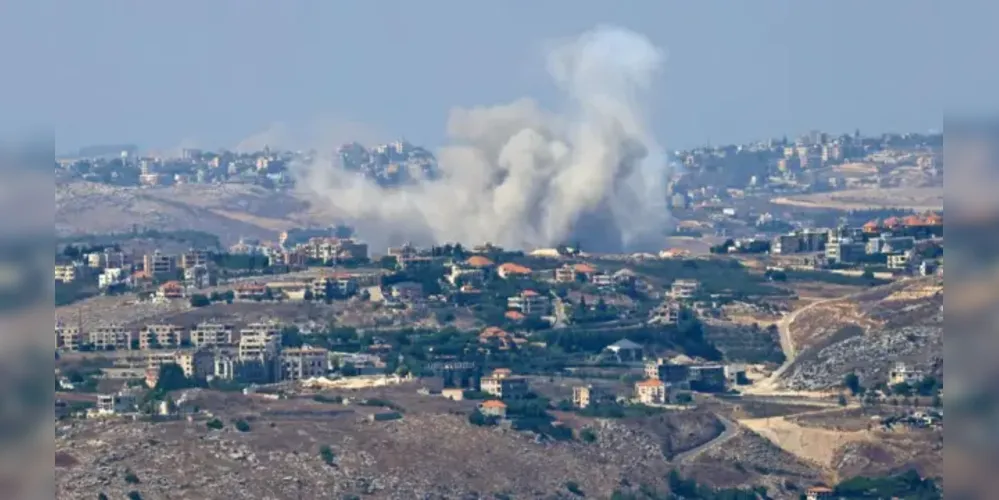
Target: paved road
{"type": "Point", "coordinates": [730, 431]}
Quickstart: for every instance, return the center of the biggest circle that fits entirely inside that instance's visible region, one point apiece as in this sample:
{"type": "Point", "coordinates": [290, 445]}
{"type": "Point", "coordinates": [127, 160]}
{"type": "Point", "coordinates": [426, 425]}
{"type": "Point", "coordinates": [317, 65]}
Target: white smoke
{"type": "Point", "coordinates": [521, 177]}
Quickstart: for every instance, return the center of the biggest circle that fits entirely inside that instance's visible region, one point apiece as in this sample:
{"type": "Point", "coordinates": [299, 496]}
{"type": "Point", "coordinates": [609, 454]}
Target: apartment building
{"type": "Point", "coordinates": [845, 250]}
{"type": "Point", "coordinates": [197, 364]}
{"type": "Point", "coordinates": [109, 258]}
{"type": "Point", "coordinates": [193, 258]}
{"type": "Point", "coordinates": [68, 337]}
{"type": "Point", "coordinates": [258, 348]}
{"type": "Point", "coordinates": [66, 273]}
{"type": "Point", "coordinates": [110, 337]}
{"type": "Point", "coordinates": [159, 265]}
{"type": "Point", "coordinates": [530, 303]}
{"type": "Point", "coordinates": [161, 336]}
{"type": "Point", "coordinates": [684, 289]}
{"type": "Point", "coordinates": [565, 274]}
{"type": "Point", "coordinates": [251, 291]}
{"type": "Point", "coordinates": [212, 334]}
{"type": "Point", "coordinates": [303, 363]}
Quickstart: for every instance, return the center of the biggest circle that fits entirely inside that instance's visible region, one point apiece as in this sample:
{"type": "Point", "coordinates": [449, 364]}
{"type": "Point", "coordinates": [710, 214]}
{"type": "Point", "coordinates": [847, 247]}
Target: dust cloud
{"type": "Point", "coordinates": [524, 177]}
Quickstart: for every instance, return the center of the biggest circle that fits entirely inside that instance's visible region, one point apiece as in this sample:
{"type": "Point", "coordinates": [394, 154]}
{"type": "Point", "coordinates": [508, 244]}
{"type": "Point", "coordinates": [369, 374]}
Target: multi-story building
{"type": "Point", "coordinates": [66, 273]}
{"type": "Point", "coordinates": [845, 251]}
{"type": "Point", "coordinates": [668, 313]}
{"type": "Point", "coordinates": [407, 291]}
{"type": "Point", "coordinates": [68, 337]}
{"type": "Point", "coordinates": [110, 337]}
{"type": "Point", "coordinates": [199, 276]}
{"type": "Point", "coordinates": [303, 362]}
{"type": "Point", "coordinates": [109, 258]}
{"type": "Point", "coordinates": [161, 336]}
{"type": "Point", "coordinates": [530, 303]}
{"type": "Point", "coordinates": [110, 276]}
{"type": "Point", "coordinates": [651, 392]}
{"type": "Point", "coordinates": [258, 348]}
{"type": "Point", "coordinates": [684, 289]}
{"type": "Point", "coordinates": [171, 290]}
{"type": "Point", "coordinates": [197, 364]}
{"type": "Point", "coordinates": [565, 274]}
{"type": "Point", "coordinates": [505, 386]}
{"type": "Point", "coordinates": [212, 334]}
{"type": "Point", "coordinates": [192, 258]}
{"type": "Point", "coordinates": [159, 265]}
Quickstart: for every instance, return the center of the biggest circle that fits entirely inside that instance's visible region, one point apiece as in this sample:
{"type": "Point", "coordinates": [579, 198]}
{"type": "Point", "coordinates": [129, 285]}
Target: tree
{"type": "Point", "coordinates": [841, 400]}
{"type": "Point", "coordinates": [852, 382]}
{"type": "Point", "coordinates": [242, 426]}
{"type": "Point", "coordinates": [215, 424]}
{"type": "Point", "coordinates": [587, 435]}
{"type": "Point", "coordinates": [171, 378]}
{"type": "Point", "coordinates": [199, 300]}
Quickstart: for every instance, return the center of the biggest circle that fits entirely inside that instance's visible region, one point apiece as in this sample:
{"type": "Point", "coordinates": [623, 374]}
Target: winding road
{"type": "Point", "coordinates": [731, 429]}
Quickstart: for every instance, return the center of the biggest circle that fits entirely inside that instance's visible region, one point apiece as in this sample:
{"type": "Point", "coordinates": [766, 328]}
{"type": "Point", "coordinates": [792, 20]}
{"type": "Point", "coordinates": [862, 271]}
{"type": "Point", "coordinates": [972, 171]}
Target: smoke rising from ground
{"type": "Point", "coordinates": [523, 177]}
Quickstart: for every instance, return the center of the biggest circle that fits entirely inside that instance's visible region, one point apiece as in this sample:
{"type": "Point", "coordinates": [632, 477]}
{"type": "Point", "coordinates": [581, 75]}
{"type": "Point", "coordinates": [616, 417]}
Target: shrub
{"type": "Point", "coordinates": [131, 478]}
{"type": "Point", "coordinates": [215, 424]}
{"type": "Point", "coordinates": [134, 495]}
{"type": "Point", "coordinates": [588, 436]}
{"type": "Point", "coordinates": [326, 453]}
{"type": "Point", "coordinates": [574, 488]}
{"type": "Point", "coordinates": [242, 426]}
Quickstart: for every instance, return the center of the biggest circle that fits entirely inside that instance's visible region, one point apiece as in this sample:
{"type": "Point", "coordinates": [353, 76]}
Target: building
{"type": "Point", "coordinates": [819, 493]}
{"type": "Point", "coordinates": [66, 273]}
{"type": "Point", "coordinates": [903, 374]}
{"type": "Point", "coordinates": [407, 291]}
{"type": "Point", "coordinates": [845, 251]}
{"type": "Point", "coordinates": [116, 404]}
{"type": "Point", "coordinates": [110, 276]}
{"type": "Point", "coordinates": [683, 289]}
{"type": "Point", "coordinates": [212, 334]}
{"type": "Point", "coordinates": [899, 261]}
{"type": "Point", "coordinates": [110, 337]}
{"type": "Point", "coordinates": [530, 303]}
{"type": "Point", "coordinates": [651, 392]}
{"type": "Point", "coordinates": [161, 336]}
{"type": "Point", "coordinates": [466, 275]}
{"type": "Point", "coordinates": [171, 290]}
{"type": "Point", "coordinates": [193, 258]}
{"type": "Point", "coordinates": [303, 363]}
{"type": "Point", "coordinates": [257, 351]}
{"type": "Point", "coordinates": [707, 378]}
{"type": "Point", "coordinates": [197, 364]}
{"type": "Point", "coordinates": [108, 258]}
{"type": "Point", "coordinates": [68, 337]}
{"type": "Point", "coordinates": [505, 386]}
{"type": "Point", "coordinates": [581, 396]}
{"type": "Point", "coordinates": [250, 291]}
{"type": "Point", "coordinates": [668, 313]}
{"type": "Point", "coordinates": [511, 270]}
{"type": "Point", "coordinates": [493, 408]}
{"type": "Point", "coordinates": [675, 374]}
{"type": "Point", "coordinates": [565, 274]}
{"type": "Point", "coordinates": [199, 276]}
{"type": "Point", "coordinates": [159, 265]}
{"type": "Point", "coordinates": [625, 351]}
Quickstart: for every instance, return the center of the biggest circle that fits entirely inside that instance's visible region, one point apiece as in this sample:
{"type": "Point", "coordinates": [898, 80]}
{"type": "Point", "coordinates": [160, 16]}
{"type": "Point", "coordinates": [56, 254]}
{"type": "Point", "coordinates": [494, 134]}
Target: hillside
{"type": "Point", "coordinates": [431, 452]}
{"type": "Point", "coordinates": [230, 210]}
{"type": "Point", "coordinates": [866, 334]}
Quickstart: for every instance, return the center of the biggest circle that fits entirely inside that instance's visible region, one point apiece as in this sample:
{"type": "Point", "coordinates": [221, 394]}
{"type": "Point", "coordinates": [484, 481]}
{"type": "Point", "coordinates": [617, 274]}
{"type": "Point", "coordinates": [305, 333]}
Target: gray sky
{"type": "Point", "coordinates": [160, 74]}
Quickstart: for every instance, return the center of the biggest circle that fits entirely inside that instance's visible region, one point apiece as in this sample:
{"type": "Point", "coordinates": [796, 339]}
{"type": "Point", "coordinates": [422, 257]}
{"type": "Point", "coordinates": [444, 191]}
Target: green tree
{"type": "Point", "coordinates": [171, 378]}
{"type": "Point", "coordinates": [852, 382]}
{"type": "Point", "coordinates": [199, 300]}
{"type": "Point", "coordinates": [242, 426]}
{"type": "Point", "coordinates": [215, 424]}
{"type": "Point", "coordinates": [588, 436]}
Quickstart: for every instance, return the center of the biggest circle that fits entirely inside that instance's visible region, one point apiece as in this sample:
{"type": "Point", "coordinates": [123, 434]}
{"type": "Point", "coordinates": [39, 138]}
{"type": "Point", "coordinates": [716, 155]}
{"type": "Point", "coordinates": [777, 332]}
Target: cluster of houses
{"type": "Point", "coordinates": [116, 268]}
{"type": "Point", "coordinates": [210, 351]}
{"type": "Point", "coordinates": [895, 239]}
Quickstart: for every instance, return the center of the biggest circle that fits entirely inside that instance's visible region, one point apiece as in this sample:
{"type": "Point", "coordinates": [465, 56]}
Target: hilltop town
{"type": "Point", "coordinates": [784, 306]}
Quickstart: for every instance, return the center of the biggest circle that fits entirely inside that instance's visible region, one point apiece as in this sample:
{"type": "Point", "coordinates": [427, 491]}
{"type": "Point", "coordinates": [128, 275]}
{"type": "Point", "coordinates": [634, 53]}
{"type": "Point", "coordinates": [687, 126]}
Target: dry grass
{"type": "Point", "coordinates": [923, 198]}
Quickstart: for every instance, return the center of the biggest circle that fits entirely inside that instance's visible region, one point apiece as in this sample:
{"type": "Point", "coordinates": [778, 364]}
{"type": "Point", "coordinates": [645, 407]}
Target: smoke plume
{"type": "Point", "coordinates": [523, 177]}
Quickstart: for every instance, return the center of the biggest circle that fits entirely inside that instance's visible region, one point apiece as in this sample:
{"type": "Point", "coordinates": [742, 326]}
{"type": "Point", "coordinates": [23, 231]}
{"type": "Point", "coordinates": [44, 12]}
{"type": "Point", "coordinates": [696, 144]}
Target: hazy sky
{"type": "Point", "coordinates": [160, 74]}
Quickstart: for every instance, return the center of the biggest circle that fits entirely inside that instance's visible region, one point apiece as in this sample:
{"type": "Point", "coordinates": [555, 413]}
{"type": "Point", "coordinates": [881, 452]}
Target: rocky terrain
{"type": "Point", "coordinates": [867, 333]}
{"type": "Point", "coordinates": [431, 452]}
